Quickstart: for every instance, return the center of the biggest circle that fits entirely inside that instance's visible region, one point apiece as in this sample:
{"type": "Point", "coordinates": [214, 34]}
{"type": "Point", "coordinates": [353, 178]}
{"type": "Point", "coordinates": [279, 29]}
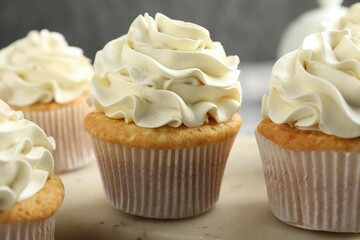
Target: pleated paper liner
{"type": "Point", "coordinates": [162, 183]}
{"type": "Point", "coordinates": [317, 190]}
{"type": "Point", "coordinates": [73, 145]}
{"type": "Point", "coordinates": [37, 230]}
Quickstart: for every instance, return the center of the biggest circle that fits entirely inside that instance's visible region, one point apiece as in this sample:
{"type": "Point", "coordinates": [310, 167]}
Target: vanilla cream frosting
{"type": "Point", "coordinates": [351, 20]}
{"type": "Point", "coordinates": [317, 87]}
{"type": "Point", "coordinates": [165, 72]}
{"type": "Point", "coordinates": [41, 68]}
{"type": "Point", "coordinates": [26, 158]}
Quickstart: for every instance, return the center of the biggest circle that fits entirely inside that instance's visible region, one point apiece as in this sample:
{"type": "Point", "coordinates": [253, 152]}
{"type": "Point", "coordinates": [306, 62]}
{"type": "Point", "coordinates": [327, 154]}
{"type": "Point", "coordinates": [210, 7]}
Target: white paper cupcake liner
{"type": "Point", "coordinates": [37, 230]}
{"type": "Point", "coordinates": [73, 145]}
{"type": "Point", "coordinates": [317, 190]}
{"type": "Point", "coordinates": [162, 183]}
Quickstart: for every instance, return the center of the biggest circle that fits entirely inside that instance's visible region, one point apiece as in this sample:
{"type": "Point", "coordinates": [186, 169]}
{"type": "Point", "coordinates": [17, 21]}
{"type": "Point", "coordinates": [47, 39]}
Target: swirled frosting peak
{"type": "Point", "coordinates": [42, 67]}
{"type": "Point", "coordinates": [165, 72]}
{"type": "Point", "coordinates": [351, 20]}
{"type": "Point", "coordinates": [317, 87]}
{"type": "Point", "coordinates": [26, 158]}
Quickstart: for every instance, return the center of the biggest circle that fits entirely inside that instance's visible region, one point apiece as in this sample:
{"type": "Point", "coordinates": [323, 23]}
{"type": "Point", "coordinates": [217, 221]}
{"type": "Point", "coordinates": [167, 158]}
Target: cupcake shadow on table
{"type": "Point", "coordinates": [165, 99]}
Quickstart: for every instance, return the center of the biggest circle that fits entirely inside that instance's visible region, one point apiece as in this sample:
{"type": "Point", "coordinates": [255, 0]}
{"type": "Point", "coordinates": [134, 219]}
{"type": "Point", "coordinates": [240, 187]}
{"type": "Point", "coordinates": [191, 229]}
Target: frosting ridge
{"type": "Point", "coordinates": [351, 20]}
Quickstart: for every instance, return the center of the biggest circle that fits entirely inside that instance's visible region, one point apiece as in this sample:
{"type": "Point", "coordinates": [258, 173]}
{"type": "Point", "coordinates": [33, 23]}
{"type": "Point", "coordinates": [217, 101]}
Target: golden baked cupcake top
{"type": "Point", "coordinates": [129, 134]}
{"type": "Point", "coordinates": [51, 106]}
{"type": "Point", "coordinates": [38, 207]}
{"type": "Point", "coordinates": [165, 72]}
{"type": "Point", "coordinates": [295, 139]}
{"type": "Point", "coordinates": [43, 68]}
{"type": "Point", "coordinates": [317, 86]}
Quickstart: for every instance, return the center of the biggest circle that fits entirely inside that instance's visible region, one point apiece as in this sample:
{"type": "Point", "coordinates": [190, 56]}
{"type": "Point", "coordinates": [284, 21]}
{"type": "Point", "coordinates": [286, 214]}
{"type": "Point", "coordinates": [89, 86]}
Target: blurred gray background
{"type": "Point", "coordinates": [249, 28]}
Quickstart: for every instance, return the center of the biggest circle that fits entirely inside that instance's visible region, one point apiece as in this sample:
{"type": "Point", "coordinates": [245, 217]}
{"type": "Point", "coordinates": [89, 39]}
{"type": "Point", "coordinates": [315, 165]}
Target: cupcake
{"type": "Point", "coordinates": [30, 193]}
{"type": "Point", "coordinates": [309, 139]}
{"type": "Point", "coordinates": [48, 80]}
{"type": "Point", "coordinates": [165, 99]}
